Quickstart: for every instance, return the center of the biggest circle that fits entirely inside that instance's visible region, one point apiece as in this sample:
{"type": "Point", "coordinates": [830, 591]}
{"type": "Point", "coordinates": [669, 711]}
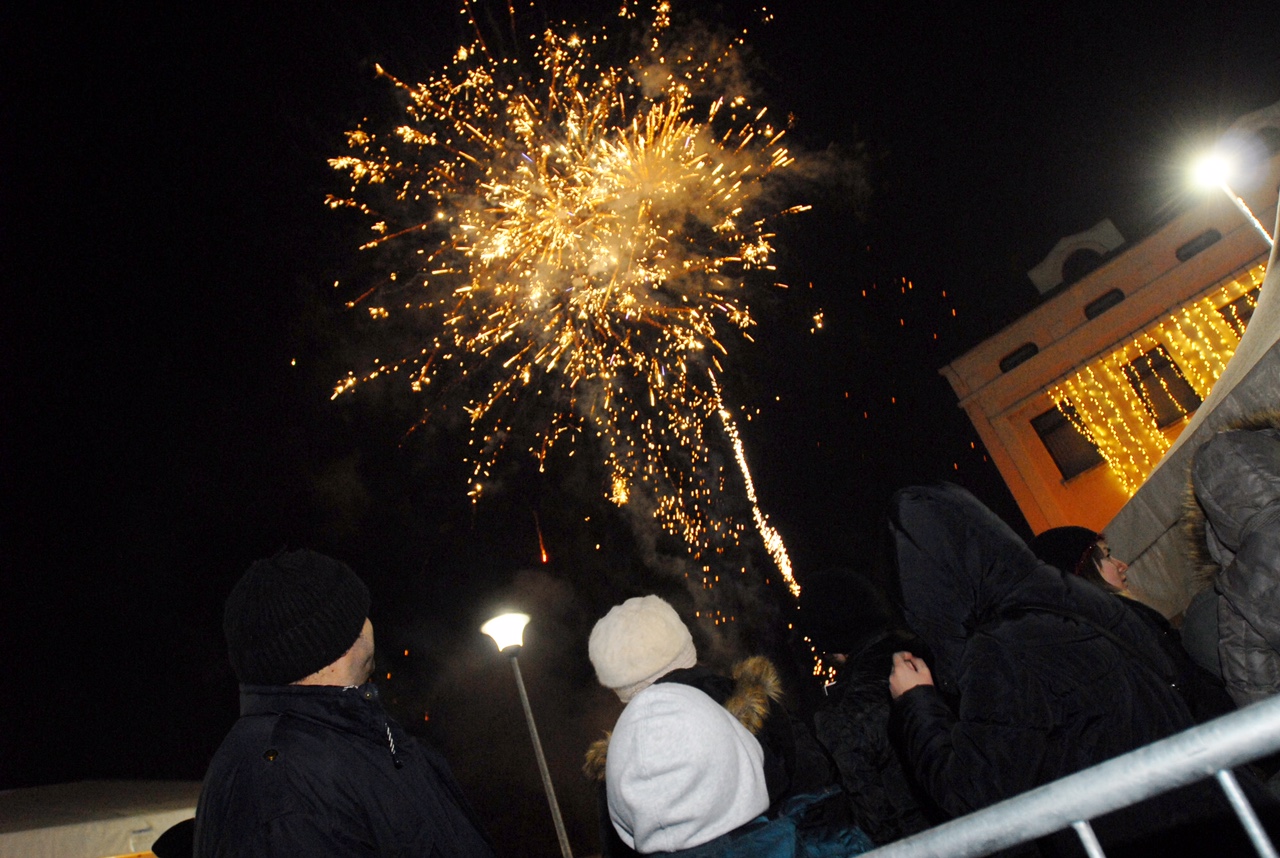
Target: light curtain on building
{"type": "Point", "coordinates": [1132, 403]}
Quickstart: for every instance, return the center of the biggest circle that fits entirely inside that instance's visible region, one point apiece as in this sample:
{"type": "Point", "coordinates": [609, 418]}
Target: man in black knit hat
{"type": "Point", "coordinates": [314, 765]}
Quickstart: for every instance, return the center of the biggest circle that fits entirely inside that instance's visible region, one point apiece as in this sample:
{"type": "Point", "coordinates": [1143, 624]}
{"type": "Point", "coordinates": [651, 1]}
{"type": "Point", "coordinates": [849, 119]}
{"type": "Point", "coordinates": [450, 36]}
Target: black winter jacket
{"type": "Point", "coordinates": [853, 725]}
{"type": "Point", "coordinates": [1038, 674]}
{"type": "Point", "coordinates": [322, 770]}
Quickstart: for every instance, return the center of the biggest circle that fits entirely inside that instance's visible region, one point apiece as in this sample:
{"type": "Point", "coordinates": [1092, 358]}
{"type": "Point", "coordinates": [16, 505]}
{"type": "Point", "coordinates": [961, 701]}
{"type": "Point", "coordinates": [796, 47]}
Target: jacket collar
{"type": "Point", "coordinates": [320, 701]}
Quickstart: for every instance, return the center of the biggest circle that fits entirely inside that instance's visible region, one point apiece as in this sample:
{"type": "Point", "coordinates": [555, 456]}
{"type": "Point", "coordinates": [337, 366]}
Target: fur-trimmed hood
{"type": "Point", "coordinates": [756, 686]}
{"type": "Point", "coordinates": [1210, 482]}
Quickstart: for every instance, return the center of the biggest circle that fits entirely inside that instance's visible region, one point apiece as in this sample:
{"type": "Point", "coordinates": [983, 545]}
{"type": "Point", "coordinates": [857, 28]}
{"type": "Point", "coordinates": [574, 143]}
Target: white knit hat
{"type": "Point", "coordinates": [681, 771]}
{"type": "Point", "coordinates": [638, 642]}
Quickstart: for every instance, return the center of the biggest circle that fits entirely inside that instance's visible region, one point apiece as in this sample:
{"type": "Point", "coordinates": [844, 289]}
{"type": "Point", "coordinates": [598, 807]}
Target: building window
{"type": "Point", "coordinates": [1071, 450]}
{"type": "Point", "coordinates": [1161, 387]}
{"type": "Point", "coordinates": [1102, 303]}
{"type": "Point", "coordinates": [1081, 261]}
{"type": "Point", "coordinates": [1238, 313]}
{"type": "Point", "coordinates": [1020, 355]}
{"type": "Point", "coordinates": [1201, 242]}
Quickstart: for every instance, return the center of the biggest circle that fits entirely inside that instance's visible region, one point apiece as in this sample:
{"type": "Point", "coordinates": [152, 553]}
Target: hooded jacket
{"type": "Point", "coordinates": [686, 778]}
{"type": "Point", "coordinates": [753, 695]}
{"type": "Point", "coordinates": [793, 761]}
{"type": "Point", "coordinates": [1052, 674]}
{"type": "Point", "coordinates": [1236, 480]}
{"type": "Point", "coordinates": [1038, 674]}
{"type": "Point", "coordinates": [682, 771]}
{"type": "Point", "coordinates": [322, 770]}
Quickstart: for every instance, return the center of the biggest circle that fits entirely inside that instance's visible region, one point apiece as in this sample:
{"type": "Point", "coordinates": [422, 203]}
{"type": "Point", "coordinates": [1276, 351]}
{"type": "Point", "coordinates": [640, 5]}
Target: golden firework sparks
{"type": "Point", "coordinates": [582, 232]}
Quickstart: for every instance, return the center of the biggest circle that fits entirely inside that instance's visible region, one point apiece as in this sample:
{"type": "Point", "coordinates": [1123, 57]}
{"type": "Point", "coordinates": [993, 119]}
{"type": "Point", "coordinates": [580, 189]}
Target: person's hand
{"type": "Point", "coordinates": [908, 672]}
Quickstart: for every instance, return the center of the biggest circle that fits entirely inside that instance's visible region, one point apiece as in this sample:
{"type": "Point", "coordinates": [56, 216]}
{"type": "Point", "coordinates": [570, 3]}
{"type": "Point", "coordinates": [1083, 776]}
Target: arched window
{"type": "Point", "coordinates": [1081, 261]}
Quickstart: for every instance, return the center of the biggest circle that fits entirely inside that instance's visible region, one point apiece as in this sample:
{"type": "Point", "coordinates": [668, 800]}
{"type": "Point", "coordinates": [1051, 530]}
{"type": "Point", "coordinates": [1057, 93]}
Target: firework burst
{"type": "Point", "coordinates": [584, 234]}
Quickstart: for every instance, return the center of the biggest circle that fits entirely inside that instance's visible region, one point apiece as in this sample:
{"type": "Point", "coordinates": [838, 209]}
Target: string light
{"type": "Point", "coordinates": [1106, 402]}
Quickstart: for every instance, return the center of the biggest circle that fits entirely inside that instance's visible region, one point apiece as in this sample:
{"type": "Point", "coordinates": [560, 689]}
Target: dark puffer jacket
{"type": "Point", "coordinates": [1038, 674]}
{"type": "Point", "coordinates": [851, 617]}
{"type": "Point", "coordinates": [853, 725]}
{"type": "Point", "coordinates": [321, 770]}
{"type": "Point", "coordinates": [1236, 478]}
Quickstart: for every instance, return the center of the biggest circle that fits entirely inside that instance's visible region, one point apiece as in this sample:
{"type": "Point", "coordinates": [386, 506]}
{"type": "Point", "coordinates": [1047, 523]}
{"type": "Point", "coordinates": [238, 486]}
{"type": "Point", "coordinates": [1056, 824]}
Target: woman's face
{"type": "Point", "coordinates": [1110, 568]}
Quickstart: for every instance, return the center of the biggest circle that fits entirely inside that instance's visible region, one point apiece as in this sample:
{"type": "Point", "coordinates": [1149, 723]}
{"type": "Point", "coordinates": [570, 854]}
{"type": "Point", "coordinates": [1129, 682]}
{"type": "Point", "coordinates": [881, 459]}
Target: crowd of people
{"type": "Point", "coordinates": [989, 667]}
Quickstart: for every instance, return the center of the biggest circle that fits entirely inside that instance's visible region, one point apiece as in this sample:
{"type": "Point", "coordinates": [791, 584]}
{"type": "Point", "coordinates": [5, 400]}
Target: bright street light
{"type": "Point", "coordinates": [507, 631]}
{"type": "Point", "coordinates": [1216, 169]}
{"type": "Point", "coordinates": [1212, 170]}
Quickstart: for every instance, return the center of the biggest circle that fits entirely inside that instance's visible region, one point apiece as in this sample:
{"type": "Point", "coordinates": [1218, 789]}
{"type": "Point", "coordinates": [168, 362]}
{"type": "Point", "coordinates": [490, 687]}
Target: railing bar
{"type": "Point", "coordinates": [1248, 818]}
{"type": "Point", "coordinates": [1194, 754]}
{"type": "Point", "coordinates": [1089, 840]}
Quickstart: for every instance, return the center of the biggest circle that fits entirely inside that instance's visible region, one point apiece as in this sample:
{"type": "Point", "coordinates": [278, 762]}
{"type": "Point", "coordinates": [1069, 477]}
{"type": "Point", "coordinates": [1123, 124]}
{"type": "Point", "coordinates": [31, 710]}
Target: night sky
{"type": "Point", "coordinates": [173, 338]}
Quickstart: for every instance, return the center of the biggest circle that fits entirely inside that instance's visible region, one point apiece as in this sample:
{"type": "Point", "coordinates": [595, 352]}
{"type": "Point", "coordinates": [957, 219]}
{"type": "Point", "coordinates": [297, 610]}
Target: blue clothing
{"type": "Point", "coordinates": [802, 829]}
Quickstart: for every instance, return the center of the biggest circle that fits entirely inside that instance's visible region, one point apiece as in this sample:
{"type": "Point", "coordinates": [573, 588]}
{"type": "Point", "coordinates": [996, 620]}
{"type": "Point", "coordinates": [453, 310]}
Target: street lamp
{"type": "Point", "coordinates": [507, 631]}
{"type": "Point", "coordinates": [1214, 170]}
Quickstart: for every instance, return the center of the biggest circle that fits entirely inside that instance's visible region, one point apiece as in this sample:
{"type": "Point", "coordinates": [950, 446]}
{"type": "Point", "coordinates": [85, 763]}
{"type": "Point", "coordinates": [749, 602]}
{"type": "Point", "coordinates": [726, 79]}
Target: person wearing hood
{"type": "Point", "coordinates": [685, 778]}
{"type": "Point", "coordinates": [696, 759]}
{"type": "Point", "coordinates": [1034, 675]}
{"type": "Point", "coordinates": [1235, 477]}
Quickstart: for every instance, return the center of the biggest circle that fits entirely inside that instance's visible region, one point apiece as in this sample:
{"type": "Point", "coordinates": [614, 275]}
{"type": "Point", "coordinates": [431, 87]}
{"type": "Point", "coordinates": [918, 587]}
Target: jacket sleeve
{"type": "Point", "coordinates": [1248, 616]}
{"type": "Point", "coordinates": [1251, 582]}
{"type": "Point", "coordinates": [990, 750]}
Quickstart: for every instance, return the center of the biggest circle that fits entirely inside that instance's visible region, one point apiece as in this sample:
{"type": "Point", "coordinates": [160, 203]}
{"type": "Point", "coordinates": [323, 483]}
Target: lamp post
{"type": "Point", "coordinates": [507, 631]}
{"type": "Point", "coordinates": [1213, 170]}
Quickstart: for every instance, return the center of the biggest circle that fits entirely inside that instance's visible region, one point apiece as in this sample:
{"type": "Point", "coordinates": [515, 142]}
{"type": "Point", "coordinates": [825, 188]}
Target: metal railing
{"type": "Point", "coordinates": [1209, 750]}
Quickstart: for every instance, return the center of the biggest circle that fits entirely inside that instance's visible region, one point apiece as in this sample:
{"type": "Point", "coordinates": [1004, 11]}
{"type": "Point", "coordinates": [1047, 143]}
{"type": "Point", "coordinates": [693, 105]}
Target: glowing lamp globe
{"type": "Point", "coordinates": [506, 630]}
{"type": "Point", "coordinates": [1212, 170]}
{"type": "Point", "coordinates": [1216, 169]}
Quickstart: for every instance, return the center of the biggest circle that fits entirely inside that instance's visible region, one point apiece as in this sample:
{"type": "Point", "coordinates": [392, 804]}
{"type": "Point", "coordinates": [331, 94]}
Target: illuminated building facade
{"type": "Point", "coordinates": [1077, 400]}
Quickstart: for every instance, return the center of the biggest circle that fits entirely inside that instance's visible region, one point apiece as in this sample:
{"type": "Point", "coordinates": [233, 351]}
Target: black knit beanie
{"type": "Point", "coordinates": [1065, 547]}
{"type": "Point", "coordinates": [292, 614]}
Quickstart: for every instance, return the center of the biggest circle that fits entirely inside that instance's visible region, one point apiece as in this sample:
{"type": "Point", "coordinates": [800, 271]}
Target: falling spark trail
{"type": "Point", "coordinates": [572, 240]}
{"type": "Point", "coordinates": [772, 539]}
{"type": "Point", "coordinates": [542, 545]}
